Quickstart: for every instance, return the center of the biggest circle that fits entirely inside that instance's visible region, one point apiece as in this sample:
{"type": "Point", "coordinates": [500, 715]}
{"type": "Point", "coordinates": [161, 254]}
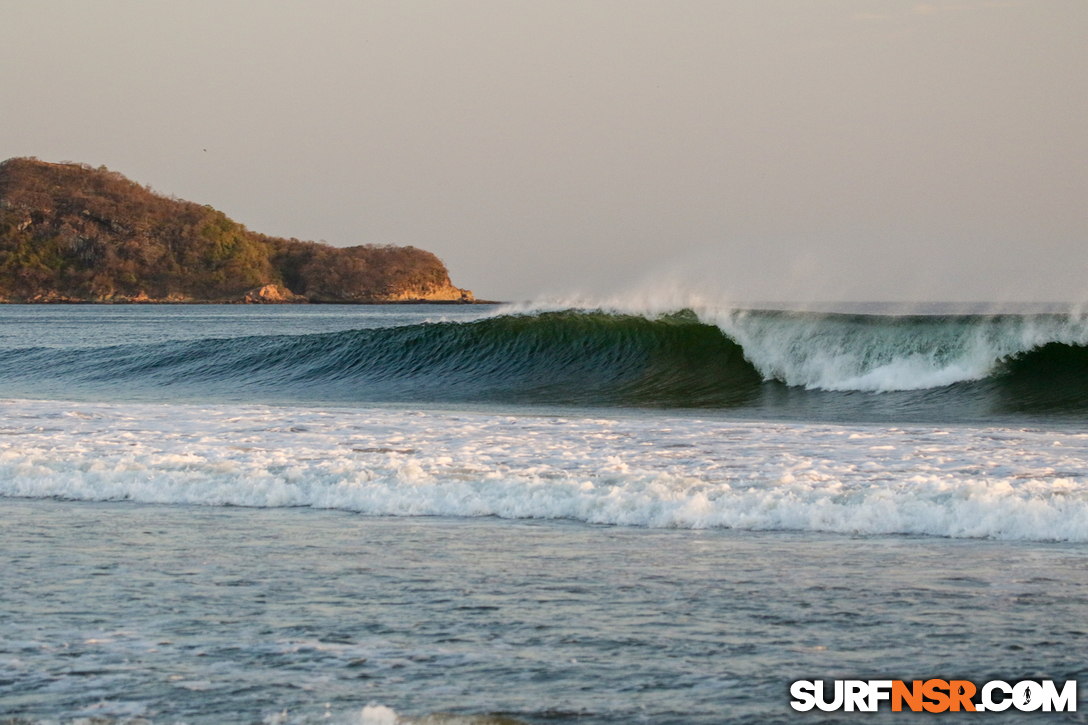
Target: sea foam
{"type": "Point", "coordinates": [887, 353]}
{"type": "Point", "coordinates": [841, 348]}
{"type": "Point", "coordinates": [683, 471]}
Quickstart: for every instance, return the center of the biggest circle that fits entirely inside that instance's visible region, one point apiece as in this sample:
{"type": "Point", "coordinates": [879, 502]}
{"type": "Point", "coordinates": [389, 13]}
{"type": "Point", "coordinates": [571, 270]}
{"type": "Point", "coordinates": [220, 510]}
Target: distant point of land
{"type": "Point", "coordinates": [73, 233]}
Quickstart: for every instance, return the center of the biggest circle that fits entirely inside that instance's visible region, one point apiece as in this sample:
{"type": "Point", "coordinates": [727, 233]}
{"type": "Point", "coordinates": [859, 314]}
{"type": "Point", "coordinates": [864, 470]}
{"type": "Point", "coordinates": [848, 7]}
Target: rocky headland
{"type": "Point", "coordinates": [72, 233]}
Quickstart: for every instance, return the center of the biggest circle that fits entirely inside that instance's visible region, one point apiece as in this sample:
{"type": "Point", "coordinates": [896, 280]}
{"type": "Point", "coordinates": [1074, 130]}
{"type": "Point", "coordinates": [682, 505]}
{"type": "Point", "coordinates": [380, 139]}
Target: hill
{"type": "Point", "coordinates": [73, 233]}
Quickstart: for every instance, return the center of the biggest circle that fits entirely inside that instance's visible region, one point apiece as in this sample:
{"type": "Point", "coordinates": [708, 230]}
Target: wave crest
{"type": "Point", "coordinates": [783, 362]}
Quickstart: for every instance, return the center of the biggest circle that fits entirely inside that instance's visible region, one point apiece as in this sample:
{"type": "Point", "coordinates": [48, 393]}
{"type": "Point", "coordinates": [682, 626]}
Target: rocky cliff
{"type": "Point", "coordinates": [72, 233]}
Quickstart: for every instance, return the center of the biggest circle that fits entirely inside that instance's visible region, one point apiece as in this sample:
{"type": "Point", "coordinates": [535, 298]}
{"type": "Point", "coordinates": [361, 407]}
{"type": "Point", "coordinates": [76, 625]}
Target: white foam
{"type": "Point", "coordinates": [647, 471]}
{"type": "Point", "coordinates": [378, 715]}
{"type": "Point", "coordinates": [881, 354]}
{"type": "Point", "coordinates": [885, 354]}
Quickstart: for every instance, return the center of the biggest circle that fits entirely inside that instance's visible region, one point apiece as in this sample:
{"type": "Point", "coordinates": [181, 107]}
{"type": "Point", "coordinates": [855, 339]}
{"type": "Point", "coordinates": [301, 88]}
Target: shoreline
{"type": "Point", "coordinates": [244, 302]}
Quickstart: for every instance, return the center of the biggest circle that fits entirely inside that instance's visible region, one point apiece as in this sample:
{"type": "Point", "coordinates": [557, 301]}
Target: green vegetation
{"type": "Point", "coordinates": [69, 232]}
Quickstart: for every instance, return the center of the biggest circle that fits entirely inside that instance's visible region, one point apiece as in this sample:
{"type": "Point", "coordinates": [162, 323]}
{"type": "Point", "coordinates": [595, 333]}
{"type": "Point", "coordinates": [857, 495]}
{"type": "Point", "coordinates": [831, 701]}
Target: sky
{"type": "Point", "coordinates": [750, 149]}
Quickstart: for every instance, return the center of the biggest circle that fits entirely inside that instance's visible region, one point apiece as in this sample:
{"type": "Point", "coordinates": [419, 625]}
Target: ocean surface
{"type": "Point", "coordinates": [576, 513]}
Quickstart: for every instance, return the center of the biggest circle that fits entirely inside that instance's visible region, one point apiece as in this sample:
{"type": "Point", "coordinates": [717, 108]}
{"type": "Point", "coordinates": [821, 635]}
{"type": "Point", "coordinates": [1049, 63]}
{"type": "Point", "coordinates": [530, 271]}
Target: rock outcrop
{"type": "Point", "coordinates": [271, 294]}
{"type": "Point", "coordinates": [438, 293]}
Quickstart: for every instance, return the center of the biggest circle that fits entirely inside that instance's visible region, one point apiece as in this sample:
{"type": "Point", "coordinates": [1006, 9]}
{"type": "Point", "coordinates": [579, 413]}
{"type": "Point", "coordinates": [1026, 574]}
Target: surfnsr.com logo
{"type": "Point", "coordinates": [935, 696]}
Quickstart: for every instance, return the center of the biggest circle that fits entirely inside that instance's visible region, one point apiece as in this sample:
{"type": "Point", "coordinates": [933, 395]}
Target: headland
{"type": "Point", "coordinates": [71, 233]}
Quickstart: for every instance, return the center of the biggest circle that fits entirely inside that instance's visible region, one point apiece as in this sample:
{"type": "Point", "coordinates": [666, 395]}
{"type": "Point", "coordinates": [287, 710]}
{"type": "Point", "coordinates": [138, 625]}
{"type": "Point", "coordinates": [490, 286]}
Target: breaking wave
{"type": "Point", "coordinates": [809, 364]}
{"type": "Point", "coordinates": [647, 471]}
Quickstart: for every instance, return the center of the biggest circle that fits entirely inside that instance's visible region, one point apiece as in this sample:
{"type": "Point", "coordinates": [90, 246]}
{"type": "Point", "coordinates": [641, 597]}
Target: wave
{"type": "Point", "coordinates": [822, 364]}
{"type": "Point", "coordinates": [646, 471]}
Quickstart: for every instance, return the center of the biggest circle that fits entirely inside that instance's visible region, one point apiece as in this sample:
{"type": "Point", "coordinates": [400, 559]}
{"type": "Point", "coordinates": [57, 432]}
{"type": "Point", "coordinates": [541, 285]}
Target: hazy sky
{"type": "Point", "coordinates": [838, 149]}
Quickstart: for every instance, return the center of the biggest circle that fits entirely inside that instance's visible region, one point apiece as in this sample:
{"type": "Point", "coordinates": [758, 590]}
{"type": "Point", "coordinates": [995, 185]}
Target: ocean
{"type": "Point", "coordinates": [567, 513]}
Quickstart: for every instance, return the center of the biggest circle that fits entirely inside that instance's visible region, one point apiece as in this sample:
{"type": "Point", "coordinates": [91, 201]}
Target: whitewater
{"type": "Point", "coordinates": [659, 471]}
{"type": "Point", "coordinates": [586, 513]}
